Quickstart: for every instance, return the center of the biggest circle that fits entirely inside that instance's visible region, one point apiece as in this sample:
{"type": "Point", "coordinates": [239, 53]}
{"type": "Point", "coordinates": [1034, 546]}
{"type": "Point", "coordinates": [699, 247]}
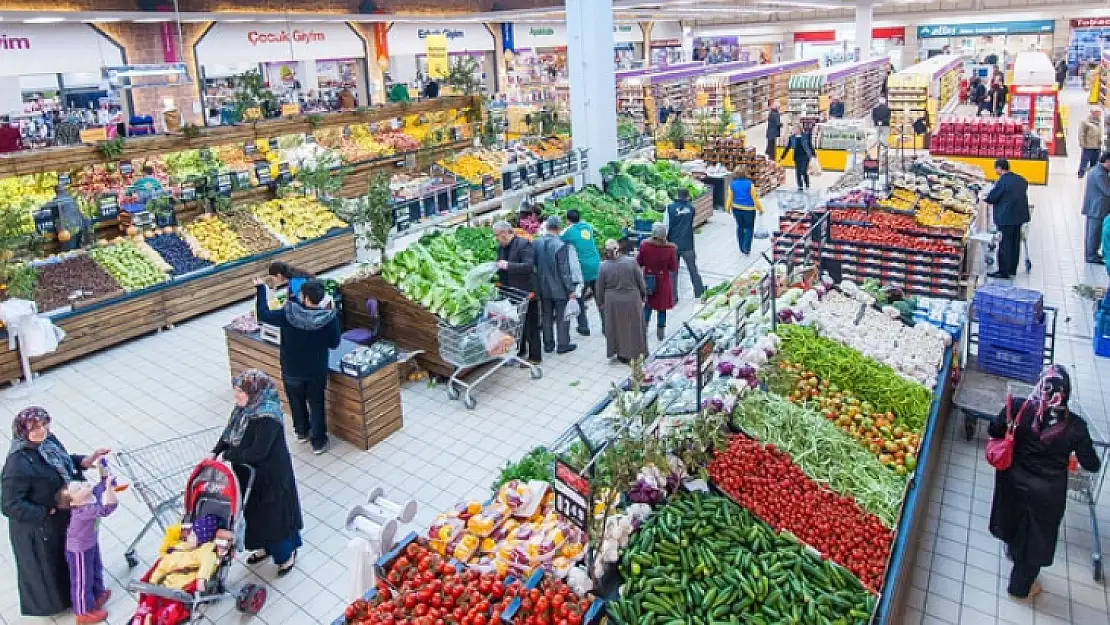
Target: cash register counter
{"type": "Point", "coordinates": [362, 409]}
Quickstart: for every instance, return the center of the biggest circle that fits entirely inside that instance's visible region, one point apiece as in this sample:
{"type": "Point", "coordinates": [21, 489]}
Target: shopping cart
{"type": "Point", "coordinates": [1085, 486]}
{"type": "Point", "coordinates": [157, 471]}
{"type": "Point", "coordinates": [1025, 241]}
{"type": "Point", "coordinates": [493, 337]}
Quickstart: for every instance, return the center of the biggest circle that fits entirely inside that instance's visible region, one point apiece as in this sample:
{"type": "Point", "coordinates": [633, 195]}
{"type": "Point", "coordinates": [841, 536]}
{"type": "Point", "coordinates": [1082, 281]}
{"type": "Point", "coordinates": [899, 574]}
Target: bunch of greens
{"type": "Point", "coordinates": [626, 128]}
{"type": "Point", "coordinates": [608, 216]}
{"type": "Point", "coordinates": [537, 464]}
{"type": "Point", "coordinates": [432, 272]}
{"type": "Point", "coordinates": [479, 241]}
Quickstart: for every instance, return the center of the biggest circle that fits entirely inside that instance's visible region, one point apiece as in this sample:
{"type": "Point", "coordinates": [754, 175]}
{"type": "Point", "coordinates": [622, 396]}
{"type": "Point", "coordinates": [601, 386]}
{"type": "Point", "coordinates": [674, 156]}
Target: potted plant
{"type": "Point", "coordinates": [371, 216]}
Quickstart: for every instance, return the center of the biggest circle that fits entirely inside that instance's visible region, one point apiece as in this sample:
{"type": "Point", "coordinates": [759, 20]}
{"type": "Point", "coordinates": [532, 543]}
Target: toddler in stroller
{"type": "Point", "coordinates": [196, 555]}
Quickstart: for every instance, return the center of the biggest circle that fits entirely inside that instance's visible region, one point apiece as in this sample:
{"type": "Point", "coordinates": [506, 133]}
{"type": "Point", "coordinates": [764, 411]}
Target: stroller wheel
{"type": "Point", "coordinates": [132, 559]}
{"type": "Point", "coordinates": [251, 599]}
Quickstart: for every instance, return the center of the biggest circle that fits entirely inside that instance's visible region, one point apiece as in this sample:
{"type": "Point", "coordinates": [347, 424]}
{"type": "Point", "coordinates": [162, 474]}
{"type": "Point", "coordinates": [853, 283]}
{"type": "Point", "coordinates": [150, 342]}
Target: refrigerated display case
{"type": "Point", "coordinates": [1034, 99]}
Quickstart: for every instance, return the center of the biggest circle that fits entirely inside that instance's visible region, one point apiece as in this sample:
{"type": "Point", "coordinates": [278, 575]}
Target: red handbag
{"type": "Point", "coordinates": [1000, 451]}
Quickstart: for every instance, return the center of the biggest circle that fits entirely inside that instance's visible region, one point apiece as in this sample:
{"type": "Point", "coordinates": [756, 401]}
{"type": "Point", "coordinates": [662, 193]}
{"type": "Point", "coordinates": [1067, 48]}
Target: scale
{"type": "Point", "coordinates": [141, 219]}
{"type": "Point", "coordinates": [269, 333]}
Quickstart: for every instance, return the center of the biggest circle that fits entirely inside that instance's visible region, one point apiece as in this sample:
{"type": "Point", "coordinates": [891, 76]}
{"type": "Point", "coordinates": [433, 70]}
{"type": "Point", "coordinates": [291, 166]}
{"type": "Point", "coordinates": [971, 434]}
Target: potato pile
{"type": "Point", "coordinates": [254, 236]}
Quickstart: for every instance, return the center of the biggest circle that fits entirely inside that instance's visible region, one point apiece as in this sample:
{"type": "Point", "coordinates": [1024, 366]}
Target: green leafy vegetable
{"type": "Point", "coordinates": [537, 464]}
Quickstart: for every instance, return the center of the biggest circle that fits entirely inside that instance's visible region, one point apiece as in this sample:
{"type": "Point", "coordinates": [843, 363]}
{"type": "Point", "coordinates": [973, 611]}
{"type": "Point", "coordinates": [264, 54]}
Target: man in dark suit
{"type": "Point", "coordinates": [1010, 198]}
{"type": "Point", "coordinates": [516, 269]}
{"type": "Point", "coordinates": [774, 129]}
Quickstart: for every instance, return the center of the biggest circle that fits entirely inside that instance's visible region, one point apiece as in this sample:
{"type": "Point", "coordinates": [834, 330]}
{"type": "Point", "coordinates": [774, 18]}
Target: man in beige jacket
{"type": "Point", "coordinates": [1090, 141]}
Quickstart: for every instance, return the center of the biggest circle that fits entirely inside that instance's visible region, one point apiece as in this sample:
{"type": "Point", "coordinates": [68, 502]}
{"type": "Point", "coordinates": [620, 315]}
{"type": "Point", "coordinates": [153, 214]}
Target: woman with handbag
{"type": "Point", "coordinates": [800, 143]}
{"type": "Point", "coordinates": [659, 259]}
{"type": "Point", "coordinates": [1032, 441]}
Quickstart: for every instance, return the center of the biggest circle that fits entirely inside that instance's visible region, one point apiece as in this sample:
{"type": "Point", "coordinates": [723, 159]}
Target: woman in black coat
{"type": "Point", "coordinates": [254, 436]}
{"type": "Point", "coordinates": [37, 467]}
{"type": "Point", "coordinates": [1030, 496]}
{"type": "Point", "coordinates": [802, 147]}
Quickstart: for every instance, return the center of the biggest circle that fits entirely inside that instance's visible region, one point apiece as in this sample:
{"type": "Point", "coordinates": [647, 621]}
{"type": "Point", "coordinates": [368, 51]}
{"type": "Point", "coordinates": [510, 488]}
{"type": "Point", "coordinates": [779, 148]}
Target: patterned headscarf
{"type": "Point", "coordinates": [1050, 401]}
{"type": "Point", "coordinates": [262, 402]}
{"type": "Point", "coordinates": [50, 449]}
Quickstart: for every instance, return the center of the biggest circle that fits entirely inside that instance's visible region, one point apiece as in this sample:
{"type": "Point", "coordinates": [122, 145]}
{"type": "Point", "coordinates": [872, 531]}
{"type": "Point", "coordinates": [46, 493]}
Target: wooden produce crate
{"type": "Point", "coordinates": [362, 411]}
{"type": "Point", "coordinates": [10, 370]}
{"type": "Point", "coordinates": [703, 209]}
{"type": "Point", "coordinates": [403, 322]}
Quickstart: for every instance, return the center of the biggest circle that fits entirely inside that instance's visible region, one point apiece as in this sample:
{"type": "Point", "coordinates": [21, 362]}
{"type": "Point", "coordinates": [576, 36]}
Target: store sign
{"type": "Point", "coordinates": [627, 33]}
{"type": "Point", "coordinates": [408, 39]}
{"type": "Point", "coordinates": [232, 43]}
{"type": "Point", "coordinates": [54, 49]}
{"type": "Point", "coordinates": [1029, 27]}
{"type": "Point", "coordinates": [508, 40]}
{"type": "Point", "coordinates": [531, 36]}
{"type": "Point", "coordinates": [1090, 22]}
{"type": "Point", "coordinates": [666, 31]}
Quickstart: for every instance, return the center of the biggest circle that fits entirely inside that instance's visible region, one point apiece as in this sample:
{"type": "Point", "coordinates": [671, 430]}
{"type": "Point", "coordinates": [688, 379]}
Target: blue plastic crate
{"type": "Point", "coordinates": [1028, 337]}
{"type": "Point", "coordinates": [1010, 363]}
{"type": "Point", "coordinates": [1102, 332]}
{"type": "Point", "coordinates": [1009, 303]}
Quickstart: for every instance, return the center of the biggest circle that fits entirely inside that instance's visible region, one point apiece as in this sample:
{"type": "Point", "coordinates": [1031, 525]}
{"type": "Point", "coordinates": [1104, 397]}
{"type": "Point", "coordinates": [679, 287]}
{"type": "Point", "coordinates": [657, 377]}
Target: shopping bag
{"type": "Point", "coordinates": [1000, 451]}
{"type": "Point", "coordinates": [761, 231]}
{"type": "Point", "coordinates": [814, 168]}
{"type": "Point", "coordinates": [572, 310]}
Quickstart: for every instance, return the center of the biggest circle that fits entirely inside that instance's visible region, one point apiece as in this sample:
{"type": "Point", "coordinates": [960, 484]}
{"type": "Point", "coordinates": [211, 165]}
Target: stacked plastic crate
{"type": "Point", "coordinates": [1102, 328]}
{"type": "Point", "coordinates": [1012, 331]}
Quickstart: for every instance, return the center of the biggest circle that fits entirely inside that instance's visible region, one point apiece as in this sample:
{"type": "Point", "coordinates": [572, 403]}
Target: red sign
{"type": "Point", "coordinates": [1090, 22]}
{"type": "Point", "coordinates": [828, 36]}
{"type": "Point", "coordinates": [169, 43]}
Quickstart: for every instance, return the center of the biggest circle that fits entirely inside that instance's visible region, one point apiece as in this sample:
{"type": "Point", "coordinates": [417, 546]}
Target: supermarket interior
{"type": "Point", "coordinates": [543, 312]}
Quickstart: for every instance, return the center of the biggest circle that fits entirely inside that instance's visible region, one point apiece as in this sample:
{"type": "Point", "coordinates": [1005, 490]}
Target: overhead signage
{"type": "Point", "coordinates": [409, 39]}
{"type": "Point", "coordinates": [27, 49]}
{"type": "Point", "coordinates": [508, 40]}
{"type": "Point", "coordinates": [232, 42]}
{"type": "Point", "coordinates": [1027, 27]}
{"type": "Point", "coordinates": [1090, 22]}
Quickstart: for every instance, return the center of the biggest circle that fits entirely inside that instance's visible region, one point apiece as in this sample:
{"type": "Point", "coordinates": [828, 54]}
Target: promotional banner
{"type": "Point", "coordinates": [406, 39]}
{"type": "Point", "coordinates": [508, 42]}
{"type": "Point", "coordinates": [435, 46]}
{"type": "Point", "coordinates": [1090, 22]}
{"type": "Point", "coordinates": [228, 43]}
{"type": "Point", "coordinates": [1028, 27]}
{"type": "Point", "coordinates": [381, 44]}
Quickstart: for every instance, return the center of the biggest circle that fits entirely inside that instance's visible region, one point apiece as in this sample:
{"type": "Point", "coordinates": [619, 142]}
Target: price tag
{"type": "Point", "coordinates": [44, 221]}
{"type": "Point", "coordinates": [188, 193]}
{"type": "Point", "coordinates": [273, 143]}
{"type": "Point", "coordinates": [262, 172]}
{"type": "Point", "coordinates": [223, 183]}
{"type": "Point", "coordinates": [283, 173]}
{"type": "Point", "coordinates": [205, 154]}
{"type": "Point", "coordinates": [572, 495]}
{"type": "Point", "coordinates": [290, 109]}
{"type": "Point", "coordinates": [516, 180]}
{"type": "Point", "coordinates": [249, 148]}
{"type": "Point", "coordinates": [108, 206]}
{"type": "Point", "coordinates": [126, 168]}
{"type": "Point", "coordinates": [63, 179]}
{"type": "Point", "coordinates": [309, 138]}
{"type": "Point", "coordinates": [530, 174]}
{"type": "Point", "coordinates": [243, 178]}
{"type": "Point", "coordinates": [489, 188]}
{"type": "Point", "coordinates": [252, 113]}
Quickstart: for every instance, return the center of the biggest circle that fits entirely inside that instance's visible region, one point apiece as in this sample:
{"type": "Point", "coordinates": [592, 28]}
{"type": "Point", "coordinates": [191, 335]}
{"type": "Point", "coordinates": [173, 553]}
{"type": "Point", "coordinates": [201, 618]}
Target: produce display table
{"type": "Point", "coordinates": [362, 410]}
{"type": "Point", "coordinates": [115, 320]}
{"type": "Point", "coordinates": [1035, 171]}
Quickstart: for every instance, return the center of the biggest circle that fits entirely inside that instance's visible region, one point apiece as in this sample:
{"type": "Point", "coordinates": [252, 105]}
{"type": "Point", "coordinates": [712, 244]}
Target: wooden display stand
{"type": "Point", "coordinates": [402, 322]}
{"type": "Point", "coordinates": [363, 411]}
{"type": "Point", "coordinates": [115, 320]}
{"type": "Point", "coordinates": [703, 209]}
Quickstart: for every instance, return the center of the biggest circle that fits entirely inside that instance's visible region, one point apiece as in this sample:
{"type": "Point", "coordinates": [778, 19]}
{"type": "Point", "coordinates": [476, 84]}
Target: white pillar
{"type": "Point", "coordinates": [864, 8]}
{"type": "Point", "coordinates": [593, 101]}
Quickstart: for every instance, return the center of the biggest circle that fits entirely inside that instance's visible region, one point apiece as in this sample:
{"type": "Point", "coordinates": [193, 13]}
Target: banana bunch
{"type": "Point", "coordinates": [218, 241]}
{"type": "Point", "coordinates": [296, 219]}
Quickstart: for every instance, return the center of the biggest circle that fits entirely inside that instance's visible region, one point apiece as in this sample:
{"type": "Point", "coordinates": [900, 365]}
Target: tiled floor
{"type": "Point", "coordinates": [176, 382]}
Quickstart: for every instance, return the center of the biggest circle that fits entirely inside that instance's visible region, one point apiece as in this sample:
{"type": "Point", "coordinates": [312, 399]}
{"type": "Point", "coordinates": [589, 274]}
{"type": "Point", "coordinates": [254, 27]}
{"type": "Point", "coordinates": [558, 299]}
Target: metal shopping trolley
{"type": "Point", "coordinates": [1085, 486]}
{"type": "Point", "coordinates": [157, 471]}
{"type": "Point", "coordinates": [492, 338]}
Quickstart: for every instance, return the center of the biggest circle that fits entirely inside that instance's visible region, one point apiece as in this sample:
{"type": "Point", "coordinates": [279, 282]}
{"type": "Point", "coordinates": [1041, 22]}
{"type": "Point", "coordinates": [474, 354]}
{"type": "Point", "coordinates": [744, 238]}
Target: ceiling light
{"type": "Point", "coordinates": [102, 20]}
{"type": "Point", "coordinates": [44, 20]}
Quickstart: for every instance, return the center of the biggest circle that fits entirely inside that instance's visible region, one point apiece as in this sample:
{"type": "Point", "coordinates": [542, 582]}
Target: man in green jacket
{"type": "Point", "coordinates": [580, 235]}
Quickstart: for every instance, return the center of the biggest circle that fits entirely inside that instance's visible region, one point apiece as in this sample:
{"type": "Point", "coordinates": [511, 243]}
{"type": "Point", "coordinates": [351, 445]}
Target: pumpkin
{"type": "Point", "coordinates": [64, 236]}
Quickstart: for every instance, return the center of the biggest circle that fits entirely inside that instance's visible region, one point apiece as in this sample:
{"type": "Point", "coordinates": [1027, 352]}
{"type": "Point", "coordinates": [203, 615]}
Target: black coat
{"type": "Point", "coordinates": [303, 353]}
{"type": "Point", "coordinates": [30, 486]}
{"type": "Point", "coordinates": [273, 509]}
{"type": "Point", "coordinates": [1030, 497]}
{"type": "Point", "coordinates": [774, 125]}
{"type": "Point", "coordinates": [521, 271]}
{"type": "Point", "coordinates": [802, 147]}
{"type": "Point", "coordinates": [880, 115]}
{"type": "Point", "coordinates": [1010, 198]}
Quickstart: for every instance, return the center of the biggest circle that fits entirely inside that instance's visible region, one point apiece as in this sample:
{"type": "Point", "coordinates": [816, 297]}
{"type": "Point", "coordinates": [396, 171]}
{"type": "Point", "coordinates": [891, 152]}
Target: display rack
{"type": "Point", "coordinates": [858, 85]}
{"type": "Point", "coordinates": [752, 90]}
{"type": "Point", "coordinates": [1104, 80]}
{"type": "Point", "coordinates": [639, 95]}
{"type": "Point", "coordinates": [930, 87]}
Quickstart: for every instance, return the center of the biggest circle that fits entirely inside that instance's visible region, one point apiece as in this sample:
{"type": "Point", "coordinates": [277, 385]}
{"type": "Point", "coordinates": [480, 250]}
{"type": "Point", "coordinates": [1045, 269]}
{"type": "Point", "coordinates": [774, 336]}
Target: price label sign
{"type": "Point", "coordinates": [572, 495]}
{"type": "Point", "coordinates": [249, 148]}
{"type": "Point", "coordinates": [108, 205]}
{"type": "Point", "coordinates": [273, 143]}
{"type": "Point", "coordinates": [262, 172]}
{"type": "Point", "coordinates": [63, 179]}
{"type": "Point", "coordinates": [309, 138]}
{"type": "Point", "coordinates": [188, 193]}
{"type": "Point", "coordinates": [516, 179]}
{"type": "Point", "coordinates": [489, 188]}
{"type": "Point", "coordinates": [283, 172]}
{"type": "Point", "coordinates": [223, 183]}
{"type": "Point", "coordinates": [705, 360]}
{"type": "Point", "coordinates": [44, 221]}
{"type": "Point", "coordinates": [126, 168]}
{"type": "Point", "coordinates": [243, 178]}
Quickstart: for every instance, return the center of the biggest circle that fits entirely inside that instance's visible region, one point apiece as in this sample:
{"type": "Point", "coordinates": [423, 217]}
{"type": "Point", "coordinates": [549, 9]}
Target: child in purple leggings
{"type": "Point", "coordinates": [86, 569]}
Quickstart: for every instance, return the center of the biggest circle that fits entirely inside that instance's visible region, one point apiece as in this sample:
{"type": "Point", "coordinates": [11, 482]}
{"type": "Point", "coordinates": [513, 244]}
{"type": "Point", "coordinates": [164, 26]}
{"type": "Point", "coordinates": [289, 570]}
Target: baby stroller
{"type": "Point", "coordinates": [213, 504]}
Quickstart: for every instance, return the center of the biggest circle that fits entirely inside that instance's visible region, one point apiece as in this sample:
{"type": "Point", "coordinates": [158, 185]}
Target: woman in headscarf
{"type": "Point", "coordinates": [659, 260]}
{"type": "Point", "coordinates": [37, 467]}
{"type": "Point", "coordinates": [254, 436]}
{"type": "Point", "coordinates": [620, 297]}
{"type": "Point", "coordinates": [1030, 496]}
